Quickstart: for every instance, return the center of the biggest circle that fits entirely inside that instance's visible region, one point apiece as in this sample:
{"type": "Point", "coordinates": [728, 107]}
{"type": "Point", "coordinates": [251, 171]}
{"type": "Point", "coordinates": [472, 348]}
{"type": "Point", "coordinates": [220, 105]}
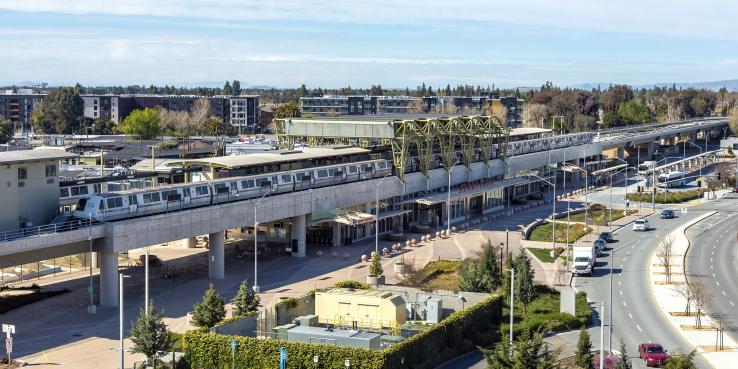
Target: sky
{"type": "Point", "coordinates": [322, 43]}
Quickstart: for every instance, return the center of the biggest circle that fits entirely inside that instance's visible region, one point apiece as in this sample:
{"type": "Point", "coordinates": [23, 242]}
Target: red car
{"type": "Point", "coordinates": [653, 354]}
{"type": "Point", "coordinates": [734, 189]}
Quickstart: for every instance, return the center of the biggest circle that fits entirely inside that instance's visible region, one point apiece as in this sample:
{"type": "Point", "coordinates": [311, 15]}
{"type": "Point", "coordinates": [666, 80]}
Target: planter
{"type": "Point", "coordinates": [400, 268]}
{"type": "Point", "coordinates": [375, 281]}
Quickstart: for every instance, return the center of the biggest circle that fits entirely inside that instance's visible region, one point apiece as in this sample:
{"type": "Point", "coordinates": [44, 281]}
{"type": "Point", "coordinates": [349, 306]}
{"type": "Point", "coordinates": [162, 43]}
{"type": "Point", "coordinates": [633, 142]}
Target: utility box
{"type": "Point", "coordinates": [388, 340]}
{"type": "Point", "coordinates": [433, 310]}
{"type": "Point", "coordinates": [280, 332]}
{"type": "Point", "coordinates": [337, 337]}
{"type": "Point", "coordinates": [365, 309]}
{"type": "Point", "coordinates": [306, 320]}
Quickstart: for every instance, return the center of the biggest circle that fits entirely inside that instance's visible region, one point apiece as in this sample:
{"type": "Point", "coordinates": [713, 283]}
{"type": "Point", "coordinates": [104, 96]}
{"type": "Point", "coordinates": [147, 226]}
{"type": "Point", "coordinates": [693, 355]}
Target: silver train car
{"type": "Point", "coordinates": [130, 204]}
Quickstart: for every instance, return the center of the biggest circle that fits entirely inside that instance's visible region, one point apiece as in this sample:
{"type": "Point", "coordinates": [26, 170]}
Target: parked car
{"type": "Point", "coordinates": [154, 260]}
{"type": "Point", "coordinates": [640, 225]}
{"type": "Point", "coordinates": [653, 354]}
{"type": "Point", "coordinates": [606, 236]}
{"type": "Point", "coordinates": [734, 190]}
{"type": "Point", "coordinates": [599, 246]}
{"type": "Point", "coordinates": [666, 214]}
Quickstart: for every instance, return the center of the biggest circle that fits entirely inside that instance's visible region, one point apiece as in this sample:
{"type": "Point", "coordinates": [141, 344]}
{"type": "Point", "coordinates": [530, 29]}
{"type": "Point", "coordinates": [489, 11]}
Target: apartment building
{"type": "Point", "coordinates": [18, 106]}
{"type": "Point", "coordinates": [330, 105]}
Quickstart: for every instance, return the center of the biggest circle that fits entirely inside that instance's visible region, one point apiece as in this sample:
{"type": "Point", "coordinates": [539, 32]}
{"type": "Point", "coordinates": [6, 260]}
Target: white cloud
{"type": "Point", "coordinates": [715, 19]}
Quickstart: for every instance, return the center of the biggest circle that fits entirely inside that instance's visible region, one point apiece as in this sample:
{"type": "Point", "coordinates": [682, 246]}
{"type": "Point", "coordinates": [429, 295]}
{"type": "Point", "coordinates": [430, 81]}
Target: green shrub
{"type": "Point", "coordinates": [356, 285]}
{"type": "Point", "coordinates": [461, 332]}
{"type": "Point", "coordinates": [287, 303]}
{"type": "Point", "coordinates": [11, 302]}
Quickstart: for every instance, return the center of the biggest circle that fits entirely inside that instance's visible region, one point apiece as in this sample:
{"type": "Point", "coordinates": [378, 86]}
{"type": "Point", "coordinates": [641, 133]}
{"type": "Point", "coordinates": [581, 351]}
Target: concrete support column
{"type": "Point", "coordinates": [298, 233]}
{"type": "Point", "coordinates": [108, 278]}
{"type": "Point", "coordinates": [216, 255]}
{"type": "Point", "coordinates": [95, 260]}
{"type": "Point", "coordinates": [189, 243]}
{"type": "Point", "coordinates": [650, 148]}
{"type": "Point", "coordinates": [336, 234]}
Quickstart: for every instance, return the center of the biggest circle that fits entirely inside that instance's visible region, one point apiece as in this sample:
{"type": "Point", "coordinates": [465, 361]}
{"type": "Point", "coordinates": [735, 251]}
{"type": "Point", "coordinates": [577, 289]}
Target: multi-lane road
{"type": "Point", "coordinates": [712, 261]}
{"type": "Point", "coordinates": [636, 317]}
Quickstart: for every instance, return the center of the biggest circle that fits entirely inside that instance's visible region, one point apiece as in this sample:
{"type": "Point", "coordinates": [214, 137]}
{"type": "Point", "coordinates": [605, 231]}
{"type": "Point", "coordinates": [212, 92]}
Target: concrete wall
{"type": "Point", "coordinates": [44, 247]}
{"type": "Point", "coordinates": [245, 326]}
{"type": "Point", "coordinates": [305, 306]}
{"type": "Point", "coordinates": [38, 199]}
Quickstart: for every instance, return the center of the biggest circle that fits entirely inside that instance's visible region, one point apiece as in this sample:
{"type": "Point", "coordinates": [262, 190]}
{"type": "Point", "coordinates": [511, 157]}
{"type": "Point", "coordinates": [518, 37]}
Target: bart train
{"type": "Point", "coordinates": [130, 204]}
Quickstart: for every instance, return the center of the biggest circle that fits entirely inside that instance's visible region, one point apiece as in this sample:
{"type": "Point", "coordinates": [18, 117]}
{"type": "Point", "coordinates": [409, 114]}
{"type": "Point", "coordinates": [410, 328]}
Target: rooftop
{"type": "Point", "coordinates": [24, 156]}
{"type": "Point", "coordinates": [269, 157]}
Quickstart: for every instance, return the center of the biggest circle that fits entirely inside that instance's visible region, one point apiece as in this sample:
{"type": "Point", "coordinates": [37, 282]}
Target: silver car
{"type": "Point", "coordinates": [640, 225]}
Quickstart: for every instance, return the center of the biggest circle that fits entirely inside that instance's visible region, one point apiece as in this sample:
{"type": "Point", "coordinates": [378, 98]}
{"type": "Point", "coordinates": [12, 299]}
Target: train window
{"type": "Point", "coordinates": [322, 173]}
{"type": "Point", "coordinates": [83, 190]}
{"type": "Point", "coordinates": [115, 202]}
{"type": "Point", "coordinates": [63, 192]}
{"type": "Point", "coordinates": [151, 197]}
{"type": "Point", "coordinates": [201, 190]}
{"type": "Point", "coordinates": [81, 204]}
{"type": "Point", "coordinates": [75, 191]}
{"type": "Point", "coordinates": [102, 205]}
{"type": "Point", "coordinates": [249, 183]}
{"type": "Point", "coordinates": [96, 188]}
{"type": "Point", "coordinates": [186, 191]}
{"type": "Point", "coordinates": [132, 200]}
{"type": "Point", "coordinates": [332, 172]}
{"type": "Point", "coordinates": [286, 178]}
{"type": "Point", "coordinates": [352, 169]}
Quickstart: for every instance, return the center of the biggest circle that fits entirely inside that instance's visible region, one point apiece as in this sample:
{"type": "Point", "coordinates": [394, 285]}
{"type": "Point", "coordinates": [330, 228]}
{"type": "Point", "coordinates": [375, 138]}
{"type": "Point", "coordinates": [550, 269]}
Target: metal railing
{"type": "Point", "coordinates": [46, 229]}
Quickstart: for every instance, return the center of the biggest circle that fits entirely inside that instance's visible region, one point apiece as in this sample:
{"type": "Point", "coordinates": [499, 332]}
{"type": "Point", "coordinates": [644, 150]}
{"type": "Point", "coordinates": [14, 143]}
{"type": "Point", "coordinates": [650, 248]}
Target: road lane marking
{"type": "Point", "coordinates": [630, 315]}
{"type": "Point", "coordinates": [639, 328]}
{"type": "Point", "coordinates": [713, 275]}
{"type": "Point", "coordinates": [717, 283]}
{"type": "Point", "coordinates": [732, 304]}
{"type": "Point", "coordinates": [724, 294]}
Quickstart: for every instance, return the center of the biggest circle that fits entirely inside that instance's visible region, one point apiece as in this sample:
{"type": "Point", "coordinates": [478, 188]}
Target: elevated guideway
{"type": "Point", "coordinates": [111, 238]}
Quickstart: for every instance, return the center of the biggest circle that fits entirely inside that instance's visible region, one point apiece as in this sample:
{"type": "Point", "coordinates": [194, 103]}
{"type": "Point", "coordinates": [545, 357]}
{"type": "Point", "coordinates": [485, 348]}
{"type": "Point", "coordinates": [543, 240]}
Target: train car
{"type": "Point", "coordinates": [68, 195]}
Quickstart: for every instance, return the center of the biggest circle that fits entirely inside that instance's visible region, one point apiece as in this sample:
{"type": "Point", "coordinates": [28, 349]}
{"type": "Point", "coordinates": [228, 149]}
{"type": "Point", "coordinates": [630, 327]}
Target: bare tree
{"type": "Point", "coordinates": [664, 254]}
{"type": "Point", "coordinates": [417, 107]}
{"type": "Point", "coordinates": [721, 323]}
{"type": "Point", "coordinates": [685, 291]}
{"type": "Point", "coordinates": [701, 296]}
{"type": "Point", "coordinates": [534, 114]}
{"type": "Point", "coordinates": [172, 120]}
{"type": "Point", "coordinates": [500, 111]}
{"type": "Point", "coordinates": [411, 275]}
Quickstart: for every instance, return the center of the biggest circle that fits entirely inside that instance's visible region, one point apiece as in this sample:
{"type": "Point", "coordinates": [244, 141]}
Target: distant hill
{"type": "Point", "coordinates": [730, 84]}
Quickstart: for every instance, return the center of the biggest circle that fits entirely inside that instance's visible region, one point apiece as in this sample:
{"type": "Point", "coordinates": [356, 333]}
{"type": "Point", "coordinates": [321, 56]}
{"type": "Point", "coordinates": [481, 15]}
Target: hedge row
{"type": "Point", "coordinates": [11, 302]}
{"type": "Point", "coordinates": [461, 332]}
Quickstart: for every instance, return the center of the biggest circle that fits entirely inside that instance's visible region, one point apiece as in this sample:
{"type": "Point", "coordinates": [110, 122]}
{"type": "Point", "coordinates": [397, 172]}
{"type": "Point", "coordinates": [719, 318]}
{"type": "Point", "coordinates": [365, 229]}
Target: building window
{"type": "Point", "coordinates": [51, 170]}
{"type": "Point", "coordinates": [22, 174]}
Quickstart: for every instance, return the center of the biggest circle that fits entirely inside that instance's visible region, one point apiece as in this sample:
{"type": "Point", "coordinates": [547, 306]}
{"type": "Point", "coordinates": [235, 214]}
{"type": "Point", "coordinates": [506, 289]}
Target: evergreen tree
{"type": "Point", "coordinates": [490, 264]}
{"type": "Point", "coordinates": [678, 360]}
{"type": "Point", "coordinates": [375, 269]}
{"type": "Point", "coordinates": [473, 278]}
{"type": "Point", "coordinates": [6, 130]}
{"type": "Point", "coordinates": [529, 351]}
{"type": "Point", "coordinates": [236, 87]}
{"type": "Point", "coordinates": [245, 301]}
{"type": "Point", "coordinates": [524, 287]}
{"type": "Point", "coordinates": [150, 335]}
{"type": "Point", "coordinates": [624, 360]}
{"type": "Point", "coordinates": [60, 112]}
{"type": "Point", "coordinates": [584, 355]}
{"type": "Point", "coordinates": [210, 311]}
{"type": "Point", "coordinates": [227, 90]}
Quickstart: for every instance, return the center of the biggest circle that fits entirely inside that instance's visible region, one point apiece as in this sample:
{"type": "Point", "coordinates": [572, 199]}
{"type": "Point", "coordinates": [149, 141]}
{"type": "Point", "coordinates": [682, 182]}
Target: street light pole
{"type": "Point", "coordinates": [376, 218]}
{"type": "Point", "coordinates": [512, 305]}
{"type": "Point", "coordinates": [120, 320]}
{"type": "Point", "coordinates": [553, 213]}
{"type": "Point", "coordinates": [602, 334]}
{"type": "Point", "coordinates": [90, 309]}
{"type": "Point", "coordinates": [448, 203]}
{"type": "Point", "coordinates": [256, 242]}
{"type": "Point", "coordinates": [146, 282]}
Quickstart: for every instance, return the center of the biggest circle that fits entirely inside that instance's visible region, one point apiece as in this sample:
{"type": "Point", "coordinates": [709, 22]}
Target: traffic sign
{"type": "Point", "coordinates": [684, 210]}
{"type": "Point", "coordinates": [8, 329]}
{"type": "Point", "coordinates": [233, 344]}
{"type": "Point", "coordinates": [9, 345]}
{"type": "Point", "coordinates": [282, 357]}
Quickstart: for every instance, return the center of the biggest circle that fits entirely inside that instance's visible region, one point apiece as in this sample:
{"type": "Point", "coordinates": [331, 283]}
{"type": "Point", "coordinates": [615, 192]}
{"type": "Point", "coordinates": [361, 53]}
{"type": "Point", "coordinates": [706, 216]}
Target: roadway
{"type": "Point", "coordinates": [711, 259]}
{"type": "Point", "coordinates": [636, 318]}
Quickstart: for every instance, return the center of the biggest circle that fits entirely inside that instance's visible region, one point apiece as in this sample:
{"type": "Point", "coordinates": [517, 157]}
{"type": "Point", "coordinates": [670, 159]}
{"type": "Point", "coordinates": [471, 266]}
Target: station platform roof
{"type": "Point", "coordinates": [269, 157]}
